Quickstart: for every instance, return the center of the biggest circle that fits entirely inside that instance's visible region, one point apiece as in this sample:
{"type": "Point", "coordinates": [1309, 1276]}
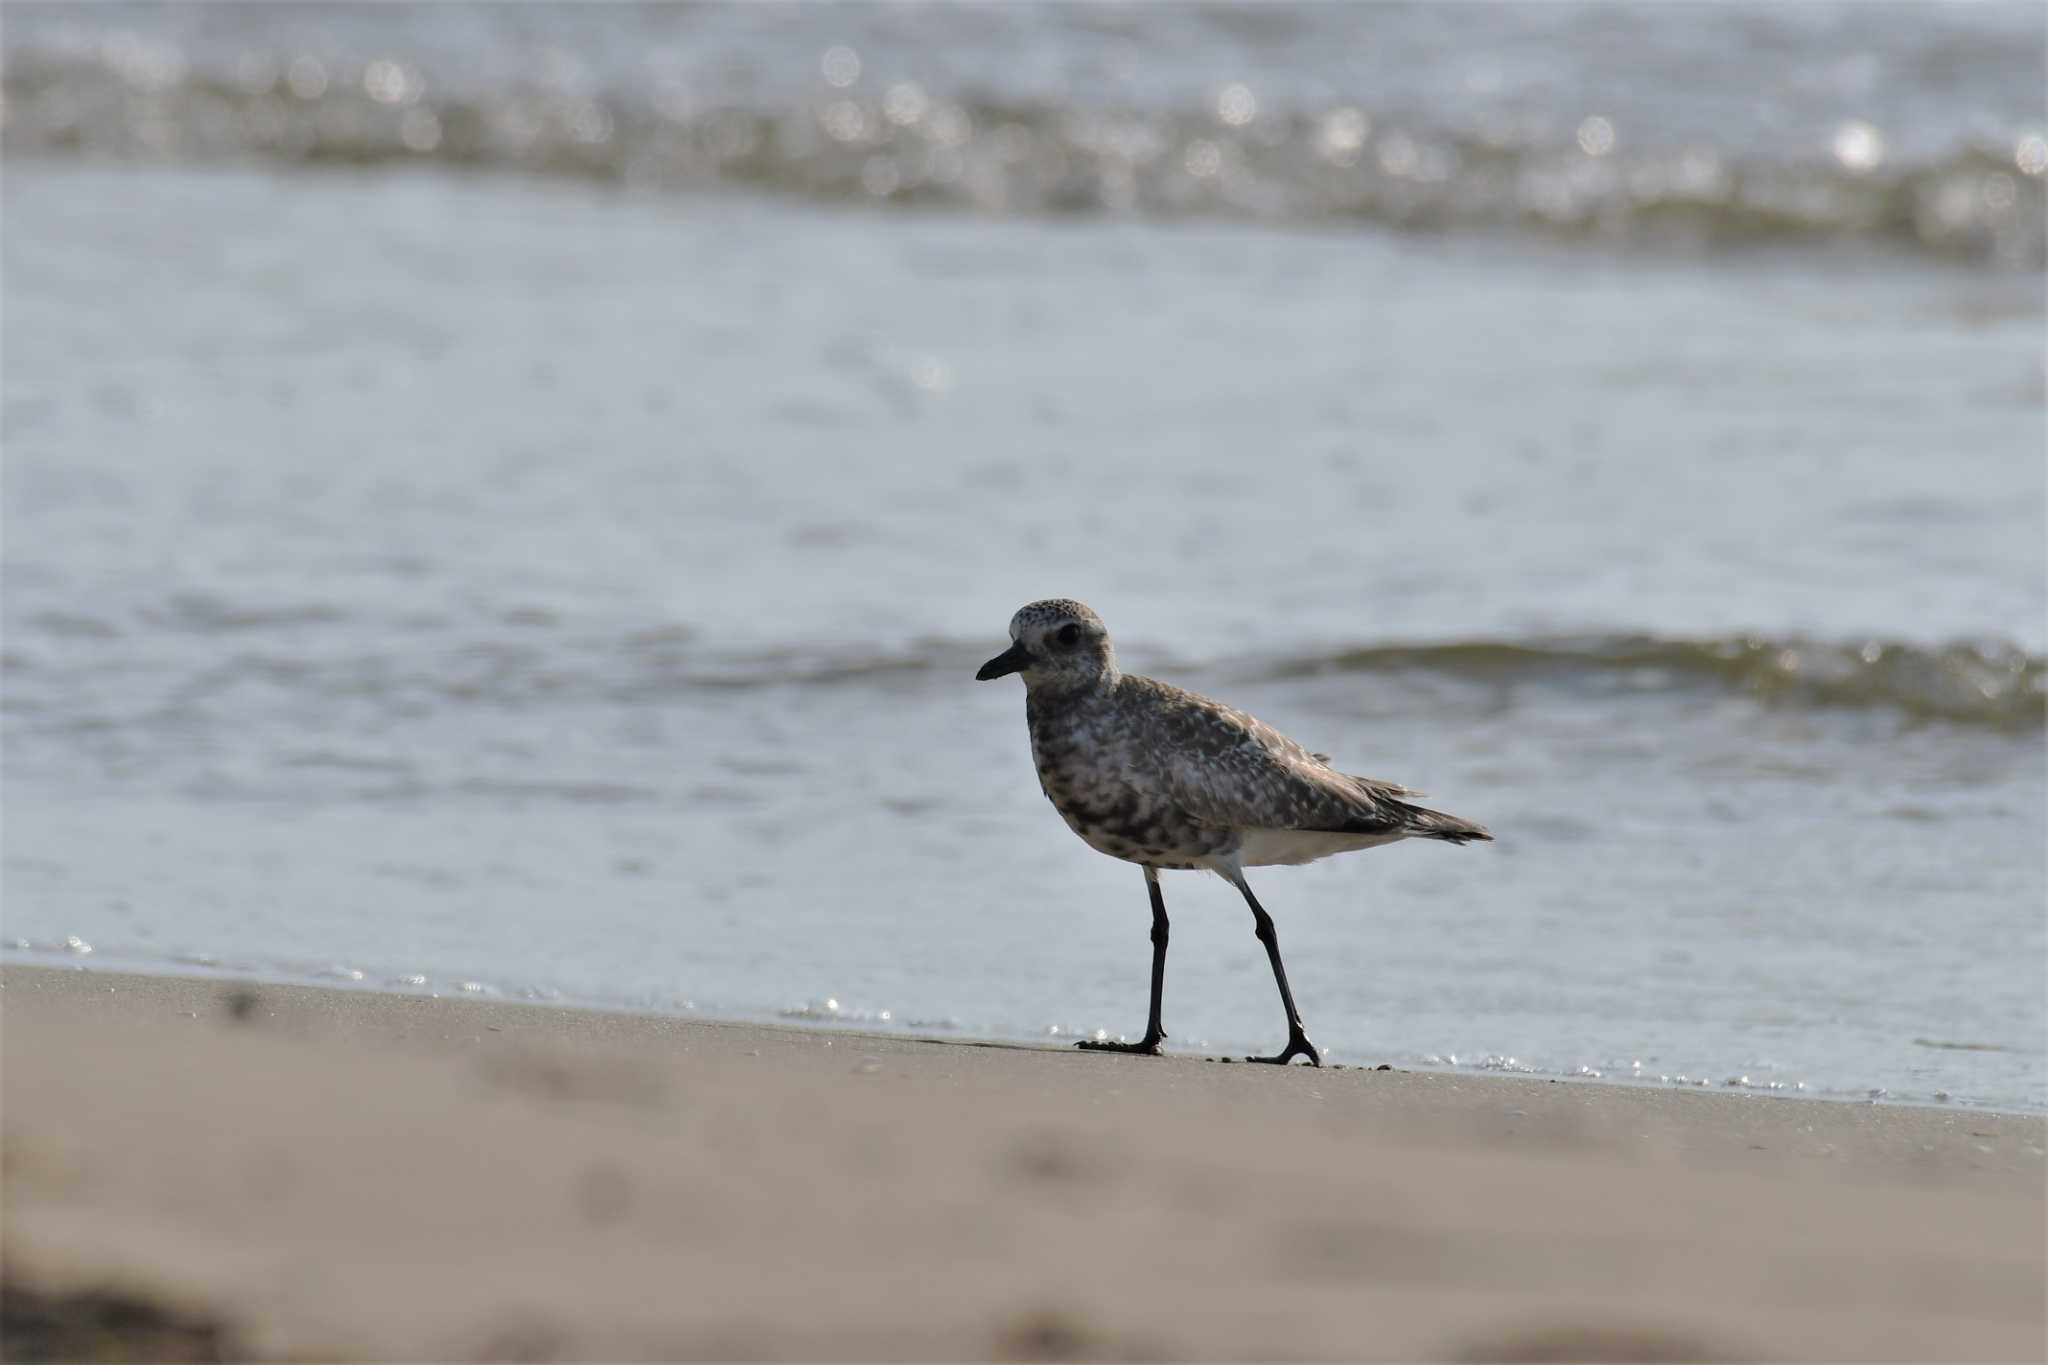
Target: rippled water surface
{"type": "Point", "coordinates": [441, 571]}
{"type": "Point", "coordinates": [1918, 125]}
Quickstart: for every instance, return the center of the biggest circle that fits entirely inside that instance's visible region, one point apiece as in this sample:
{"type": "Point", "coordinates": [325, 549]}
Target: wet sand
{"type": "Point", "coordinates": [299, 1171]}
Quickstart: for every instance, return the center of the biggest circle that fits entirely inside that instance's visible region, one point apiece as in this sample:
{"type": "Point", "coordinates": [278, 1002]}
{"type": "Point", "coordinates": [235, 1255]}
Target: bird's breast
{"type": "Point", "coordinates": [1106, 793]}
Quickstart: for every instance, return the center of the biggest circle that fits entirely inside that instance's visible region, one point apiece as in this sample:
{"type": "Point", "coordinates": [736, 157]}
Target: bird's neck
{"type": "Point", "coordinates": [1060, 691]}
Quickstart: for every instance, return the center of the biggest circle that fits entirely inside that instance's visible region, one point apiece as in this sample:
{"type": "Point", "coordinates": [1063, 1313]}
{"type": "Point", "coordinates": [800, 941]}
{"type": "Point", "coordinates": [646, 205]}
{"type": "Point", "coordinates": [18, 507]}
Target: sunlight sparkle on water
{"type": "Point", "coordinates": [390, 82]}
{"type": "Point", "coordinates": [1343, 133]}
{"type": "Point", "coordinates": [840, 66]}
{"type": "Point", "coordinates": [1236, 105]}
{"type": "Point", "coordinates": [904, 104]}
{"type": "Point", "coordinates": [1858, 146]}
{"type": "Point", "coordinates": [2031, 154]}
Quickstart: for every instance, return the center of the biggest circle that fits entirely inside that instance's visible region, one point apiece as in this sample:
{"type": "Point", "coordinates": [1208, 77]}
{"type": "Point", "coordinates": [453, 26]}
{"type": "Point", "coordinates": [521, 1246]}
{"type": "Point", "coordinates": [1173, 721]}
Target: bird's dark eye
{"type": "Point", "coordinates": [1068, 635]}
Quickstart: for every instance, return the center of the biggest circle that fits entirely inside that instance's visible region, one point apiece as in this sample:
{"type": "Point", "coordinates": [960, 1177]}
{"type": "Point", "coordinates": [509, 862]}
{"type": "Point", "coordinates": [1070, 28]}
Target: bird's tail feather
{"type": "Point", "coordinates": [1435, 824]}
{"type": "Point", "coordinates": [1418, 821]}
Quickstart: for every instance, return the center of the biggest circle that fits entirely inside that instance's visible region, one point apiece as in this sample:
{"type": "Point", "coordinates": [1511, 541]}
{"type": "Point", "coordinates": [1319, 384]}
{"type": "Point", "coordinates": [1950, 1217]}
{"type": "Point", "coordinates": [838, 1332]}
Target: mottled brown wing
{"type": "Point", "coordinates": [1226, 768]}
{"type": "Point", "coordinates": [1382, 790]}
{"type": "Point", "coordinates": [1376, 787]}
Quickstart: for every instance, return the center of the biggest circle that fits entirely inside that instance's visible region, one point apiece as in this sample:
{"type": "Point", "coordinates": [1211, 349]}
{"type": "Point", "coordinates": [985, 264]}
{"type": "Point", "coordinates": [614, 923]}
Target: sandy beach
{"type": "Point", "coordinates": [313, 1173]}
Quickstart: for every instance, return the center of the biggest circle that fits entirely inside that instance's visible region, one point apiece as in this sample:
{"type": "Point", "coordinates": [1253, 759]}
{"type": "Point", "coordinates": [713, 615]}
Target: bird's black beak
{"type": "Point", "coordinates": [1012, 660]}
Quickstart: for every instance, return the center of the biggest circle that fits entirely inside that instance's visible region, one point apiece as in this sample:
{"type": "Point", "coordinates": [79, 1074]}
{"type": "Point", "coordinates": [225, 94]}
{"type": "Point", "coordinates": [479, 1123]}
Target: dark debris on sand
{"type": "Point", "coordinates": [105, 1323]}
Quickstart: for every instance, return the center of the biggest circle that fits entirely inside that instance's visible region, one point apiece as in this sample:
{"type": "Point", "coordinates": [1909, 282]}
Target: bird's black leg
{"type": "Point", "coordinates": [1297, 1040]}
{"type": "Point", "coordinates": [1153, 1032]}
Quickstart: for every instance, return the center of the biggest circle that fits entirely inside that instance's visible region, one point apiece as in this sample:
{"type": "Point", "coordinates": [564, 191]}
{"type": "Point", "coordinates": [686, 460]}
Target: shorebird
{"type": "Point", "coordinates": [1169, 780]}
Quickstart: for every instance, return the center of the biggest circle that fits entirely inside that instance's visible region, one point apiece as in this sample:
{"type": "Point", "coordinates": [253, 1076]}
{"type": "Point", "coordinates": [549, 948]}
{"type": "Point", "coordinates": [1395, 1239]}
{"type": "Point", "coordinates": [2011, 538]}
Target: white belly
{"type": "Point", "coordinates": [1290, 847]}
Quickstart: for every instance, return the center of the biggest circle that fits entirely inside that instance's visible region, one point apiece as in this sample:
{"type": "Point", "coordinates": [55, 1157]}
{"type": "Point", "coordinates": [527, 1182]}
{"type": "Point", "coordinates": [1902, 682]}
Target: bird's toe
{"type": "Point", "coordinates": [1297, 1046]}
{"type": "Point", "coordinates": [1145, 1047]}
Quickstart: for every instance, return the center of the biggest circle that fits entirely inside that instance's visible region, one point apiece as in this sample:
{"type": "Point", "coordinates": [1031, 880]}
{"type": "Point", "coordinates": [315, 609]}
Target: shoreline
{"type": "Point", "coordinates": [344, 1172]}
{"type": "Point", "coordinates": [123, 968]}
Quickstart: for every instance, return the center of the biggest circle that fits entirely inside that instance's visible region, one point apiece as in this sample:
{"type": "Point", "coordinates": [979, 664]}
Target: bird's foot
{"type": "Point", "coordinates": [1148, 1046]}
{"type": "Point", "coordinates": [1298, 1045]}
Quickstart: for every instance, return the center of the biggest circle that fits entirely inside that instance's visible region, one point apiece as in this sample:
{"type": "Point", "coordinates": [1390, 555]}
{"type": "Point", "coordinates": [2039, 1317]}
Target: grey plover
{"type": "Point", "coordinates": [1166, 779]}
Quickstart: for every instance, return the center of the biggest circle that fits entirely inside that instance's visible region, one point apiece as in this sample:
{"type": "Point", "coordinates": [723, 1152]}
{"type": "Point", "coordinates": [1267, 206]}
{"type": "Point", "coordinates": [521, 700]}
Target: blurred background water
{"type": "Point", "coordinates": [510, 499]}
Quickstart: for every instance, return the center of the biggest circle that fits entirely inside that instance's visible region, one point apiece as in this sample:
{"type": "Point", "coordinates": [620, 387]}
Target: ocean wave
{"type": "Point", "coordinates": [311, 649]}
{"type": "Point", "coordinates": [1973, 682]}
{"type": "Point", "coordinates": [1976, 683]}
{"type": "Point", "coordinates": [1338, 162]}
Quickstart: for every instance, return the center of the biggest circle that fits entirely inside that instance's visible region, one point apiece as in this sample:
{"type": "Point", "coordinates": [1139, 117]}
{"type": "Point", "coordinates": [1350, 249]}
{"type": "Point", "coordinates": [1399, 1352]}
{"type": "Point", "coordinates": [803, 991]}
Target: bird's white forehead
{"type": "Point", "coordinates": [1053, 611]}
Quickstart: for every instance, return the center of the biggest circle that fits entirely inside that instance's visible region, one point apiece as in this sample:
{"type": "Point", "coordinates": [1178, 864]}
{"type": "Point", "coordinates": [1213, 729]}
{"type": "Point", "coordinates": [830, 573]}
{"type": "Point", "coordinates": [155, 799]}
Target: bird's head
{"type": "Point", "coordinates": [1058, 643]}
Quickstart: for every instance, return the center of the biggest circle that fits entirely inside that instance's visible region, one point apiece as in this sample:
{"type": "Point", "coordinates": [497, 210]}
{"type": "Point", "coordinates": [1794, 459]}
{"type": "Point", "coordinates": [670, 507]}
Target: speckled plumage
{"type": "Point", "coordinates": [1165, 778]}
{"type": "Point", "coordinates": [1157, 775]}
